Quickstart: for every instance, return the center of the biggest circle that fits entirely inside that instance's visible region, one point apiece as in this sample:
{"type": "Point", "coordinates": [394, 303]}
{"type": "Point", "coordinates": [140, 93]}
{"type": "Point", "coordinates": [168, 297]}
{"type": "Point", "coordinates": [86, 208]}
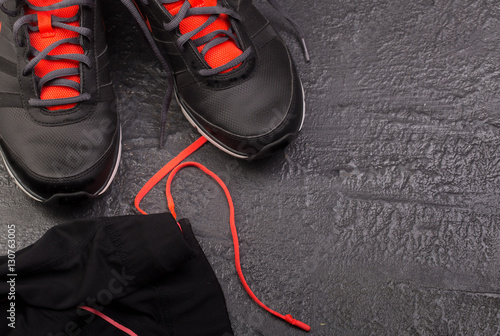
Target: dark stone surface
{"type": "Point", "coordinates": [382, 217]}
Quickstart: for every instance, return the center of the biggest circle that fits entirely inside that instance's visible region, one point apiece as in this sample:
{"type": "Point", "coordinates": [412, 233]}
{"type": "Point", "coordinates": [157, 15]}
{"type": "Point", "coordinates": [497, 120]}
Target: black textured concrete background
{"type": "Point", "coordinates": [382, 217]}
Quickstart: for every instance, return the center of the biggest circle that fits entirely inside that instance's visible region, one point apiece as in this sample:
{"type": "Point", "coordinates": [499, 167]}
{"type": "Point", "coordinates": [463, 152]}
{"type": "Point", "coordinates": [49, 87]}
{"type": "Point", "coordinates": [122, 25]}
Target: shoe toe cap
{"type": "Point", "coordinates": [66, 159]}
{"type": "Point", "coordinates": [258, 111]}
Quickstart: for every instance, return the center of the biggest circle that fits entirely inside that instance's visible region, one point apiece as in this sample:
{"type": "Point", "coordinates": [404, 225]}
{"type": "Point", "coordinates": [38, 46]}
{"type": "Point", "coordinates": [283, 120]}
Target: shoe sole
{"type": "Point", "coordinates": [66, 196]}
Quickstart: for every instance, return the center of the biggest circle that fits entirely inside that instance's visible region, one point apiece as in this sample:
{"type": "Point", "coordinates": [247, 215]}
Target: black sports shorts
{"type": "Point", "coordinates": [112, 277]}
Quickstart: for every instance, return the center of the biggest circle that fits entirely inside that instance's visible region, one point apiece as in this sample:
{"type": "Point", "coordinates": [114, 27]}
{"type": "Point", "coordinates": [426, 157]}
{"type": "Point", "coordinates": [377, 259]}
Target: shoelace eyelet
{"type": "Point", "coordinates": [181, 47]}
{"type": "Point", "coordinates": [22, 43]}
{"type": "Point", "coordinates": [9, 12]}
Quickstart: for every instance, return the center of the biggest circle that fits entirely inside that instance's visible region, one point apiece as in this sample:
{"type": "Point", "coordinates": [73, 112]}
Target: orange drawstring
{"type": "Point", "coordinates": [110, 321]}
{"type": "Point", "coordinates": [174, 166]}
{"type": "Point", "coordinates": [165, 170]}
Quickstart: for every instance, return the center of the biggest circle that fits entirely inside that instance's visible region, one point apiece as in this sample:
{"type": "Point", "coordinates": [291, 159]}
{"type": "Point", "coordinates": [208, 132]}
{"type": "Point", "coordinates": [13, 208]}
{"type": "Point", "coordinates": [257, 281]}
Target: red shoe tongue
{"type": "Point", "coordinates": [199, 3]}
{"type": "Point", "coordinates": [41, 3]}
{"type": "Point", "coordinates": [218, 55]}
{"type": "Point", "coordinates": [174, 8]}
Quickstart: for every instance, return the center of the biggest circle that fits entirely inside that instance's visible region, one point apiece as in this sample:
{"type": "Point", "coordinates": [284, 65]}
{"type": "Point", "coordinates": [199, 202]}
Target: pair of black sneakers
{"type": "Point", "coordinates": [60, 134]}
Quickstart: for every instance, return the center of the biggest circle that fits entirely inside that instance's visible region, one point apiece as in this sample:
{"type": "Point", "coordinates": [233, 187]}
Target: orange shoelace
{"type": "Point", "coordinates": [174, 166]}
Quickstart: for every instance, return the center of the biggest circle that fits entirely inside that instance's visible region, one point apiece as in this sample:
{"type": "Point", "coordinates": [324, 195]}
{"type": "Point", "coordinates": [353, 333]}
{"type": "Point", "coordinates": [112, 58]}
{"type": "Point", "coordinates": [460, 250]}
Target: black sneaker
{"type": "Point", "coordinates": [235, 79]}
{"type": "Point", "coordinates": [59, 129]}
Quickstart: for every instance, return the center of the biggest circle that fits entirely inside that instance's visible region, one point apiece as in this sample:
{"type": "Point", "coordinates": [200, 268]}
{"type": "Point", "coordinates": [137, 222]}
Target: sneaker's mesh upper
{"type": "Point", "coordinates": [218, 55]}
{"type": "Point", "coordinates": [45, 66]}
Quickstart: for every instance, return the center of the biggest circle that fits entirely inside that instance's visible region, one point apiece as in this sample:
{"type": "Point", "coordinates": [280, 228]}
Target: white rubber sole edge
{"type": "Point", "coordinates": [115, 169]}
{"type": "Point", "coordinates": [41, 199]}
{"type": "Point", "coordinates": [219, 146]}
